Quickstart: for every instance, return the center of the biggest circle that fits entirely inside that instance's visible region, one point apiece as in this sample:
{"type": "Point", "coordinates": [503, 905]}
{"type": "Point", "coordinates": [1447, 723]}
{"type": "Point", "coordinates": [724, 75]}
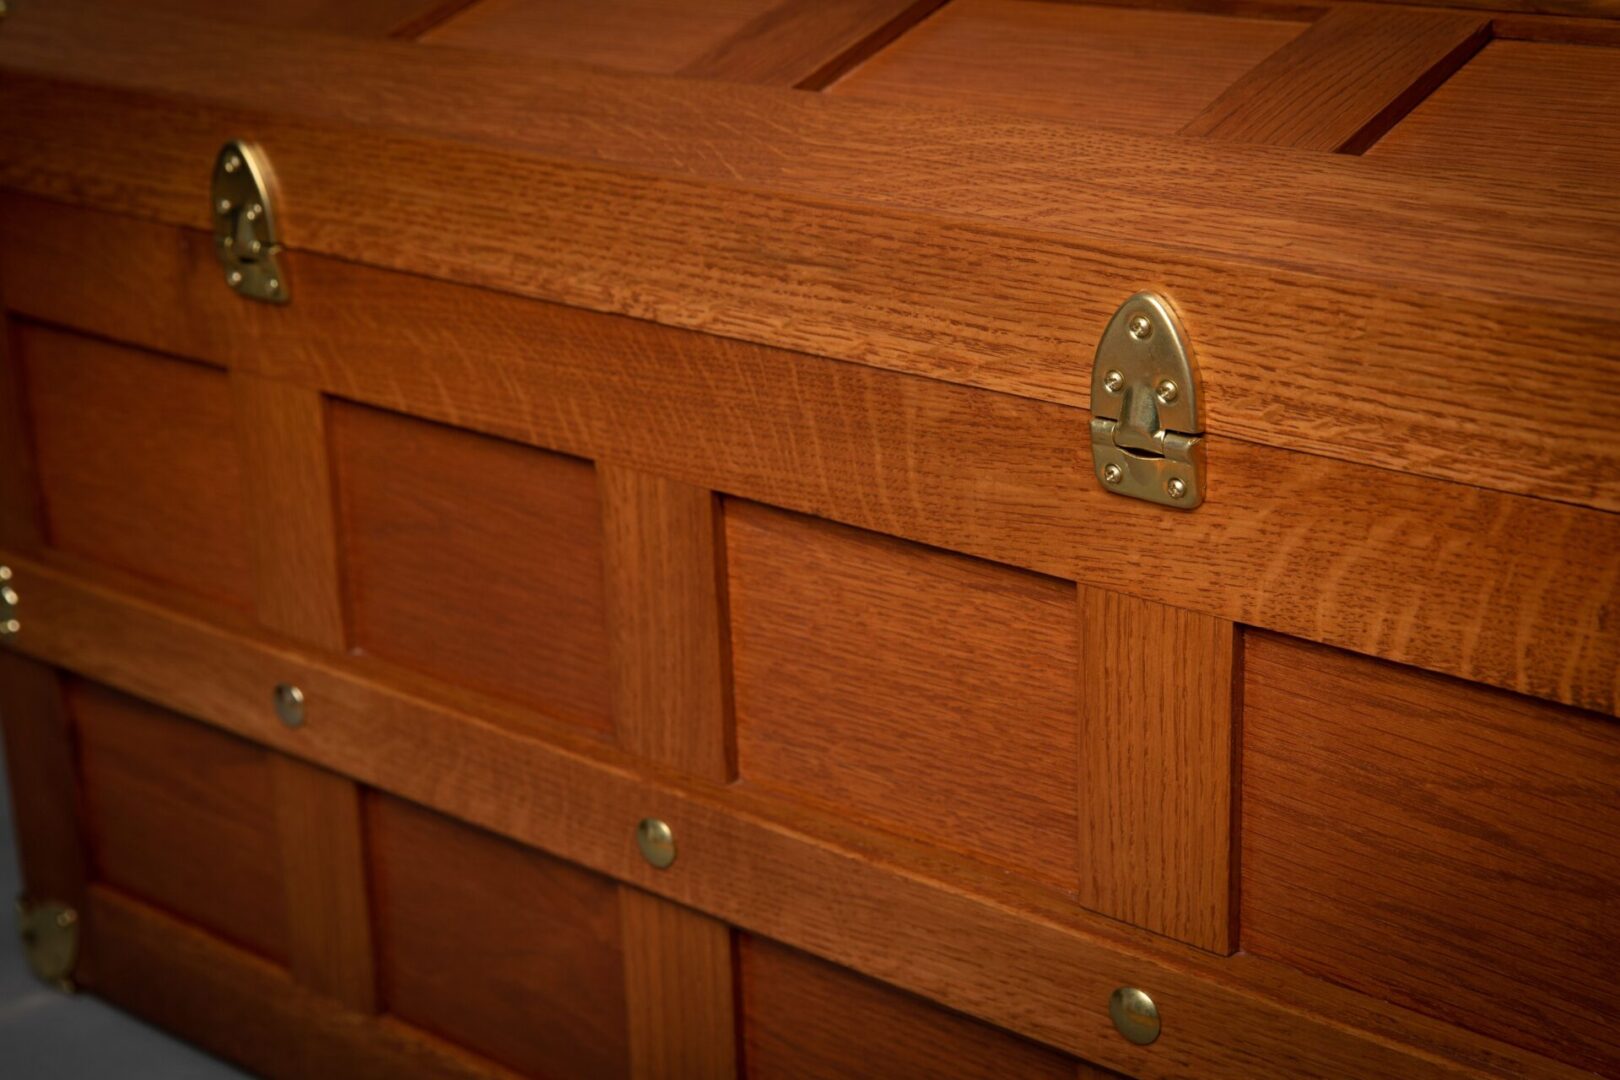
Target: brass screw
{"type": "Point", "coordinates": [66, 918]}
{"type": "Point", "coordinates": [1177, 487]}
{"type": "Point", "coordinates": [223, 206]}
{"type": "Point", "coordinates": [232, 163]}
{"type": "Point", "coordinates": [8, 596]}
{"type": "Point", "coordinates": [234, 277]}
{"type": "Point", "coordinates": [275, 283]}
{"type": "Point", "coordinates": [1168, 391]}
{"type": "Point", "coordinates": [1113, 381]}
{"type": "Point", "coordinates": [290, 704]}
{"type": "Point", "coordinates": [656, 841]}
{"type": "Point", "coordinates": [1112, 474]}
{"type": "Point", "coordinates": [1141, 327]}
{"type": "Point", "coordinates": [9, 627]}
{"type": "Point", "coordinates": [1134, 1014]}
{"type": "Point", "coordinates": [5, 573]}
{"type": "Point", "coordinates": [252, 213]}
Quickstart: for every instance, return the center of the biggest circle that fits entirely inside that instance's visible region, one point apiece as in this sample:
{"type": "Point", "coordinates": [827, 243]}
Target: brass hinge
{"type": "Point", "coordinates": [244, 214]}
{"type": "Point", "coordinates": [50, 937]}
{"type": "Point", "coordinates": [1146, 431]}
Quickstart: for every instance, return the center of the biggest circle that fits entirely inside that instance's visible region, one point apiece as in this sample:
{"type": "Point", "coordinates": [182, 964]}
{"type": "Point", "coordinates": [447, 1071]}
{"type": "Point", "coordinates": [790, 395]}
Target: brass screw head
{"type": "Point", "coordinates": [656, 841]}
{"type": "Point", "coordinates": [234, 277]}
{"type": "Point", "coordinates": [290, 704]}
{"type": "Point", "coordinates": [223, 206]}
{"type": "Point", "coordinates": [232, 163]}
{"type": "Point", "coordinates": [5, 573]}
{"type": "Point", "coordinates": [1112, 474]}
{"type": "Point", "coordinates": [1113, 381]}
{"type": "Point", "coordinates": [1141, 327]}
{"type": "Point", "coordinates": [9, 627]}
{"type": "Point", "coordinates": [274, 283]}
{"type": "Point", "coordinates": [1176, 486]}
{"type": "Point", "coordinates": [8, 596]}
{"type": "Point", "coordinates": [1168, 391]}
{"type": "Point", "coordinates": [1134, 1014]}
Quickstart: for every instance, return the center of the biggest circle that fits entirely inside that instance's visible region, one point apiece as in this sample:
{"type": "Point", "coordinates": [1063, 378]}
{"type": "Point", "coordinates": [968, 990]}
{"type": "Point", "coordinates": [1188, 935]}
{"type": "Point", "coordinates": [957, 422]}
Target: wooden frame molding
{"type": "Point", "coordinates": [809, 43]}
{"type": "Point", "coordinates": [1304, 545]}
{"type": "Point", "coordinates": [1002, 283]}
{"type": "Point", "coordinates": [850, 895]}
{"type": "Point", "coordinates": [1158, 787]}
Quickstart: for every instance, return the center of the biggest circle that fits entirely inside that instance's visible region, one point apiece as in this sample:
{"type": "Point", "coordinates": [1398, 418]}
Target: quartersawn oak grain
{"type": "Point", "coordinates": [1295, 543]}
{"type": "Point", "coordinates": [1313, 283]}
{"type": "Point", "coordinates": [808, 43]}
{"type": "Point", "coordinates": [1157, 766]}
{"type": "Point", "coordinates": [1346, 81]}
{"type": "Point", "coordinates": [1020, 958]}
{"type": "Point", "coordinates": [1447, 847]}
{"type": "Point", "coordinates": [44, 783]}
{"type": "Point", "coordinates": [678, 980]}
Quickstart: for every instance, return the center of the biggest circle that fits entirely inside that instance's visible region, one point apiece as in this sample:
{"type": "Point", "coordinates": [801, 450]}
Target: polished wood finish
{"type": "Point", "coordinates": [1157, 767]}
{"type": "Point", "coordinates": [474, 560]}
{"type": "Point", "coordinates": [181, 815]}
{"type": "Point", "coordinates": [808, 1020]}
{"type": "Point", "coordinates": [120, 433]}
{"type": "Point", "coordinates": [808, 43]}
{"type": "Point", "coordinates": [1136, 70]}
{"type": "Point", "coordinates": [1531, 116]}
{"type": "Point", "coordinates": [665, 605]}
{"type": "Point", "coordinates": [22, 513]}
{"type": "Point", "coordinates": [912, 689]}
{"type": "Point", "coordinates": [361, 18]}
{"type": "Point", "coordinates": [1308, 297]}
{"type": "Point", "coordinates": [238, 1006]}
{"type": "Point", "coordinates": [1450, 848]}
{"type": "Point", "coordinates": [681, 1004]}
{"type": "Point", "coordinates": [44, 783]}
{"type": "Point", "coordinates": [1291, 542]}
{"type": "Point", "coordinates": [1020, 958]}
{"type": "Point", "coordinates": [1346, 81]}
{"type": "Point", "coordinates": [506, 951]}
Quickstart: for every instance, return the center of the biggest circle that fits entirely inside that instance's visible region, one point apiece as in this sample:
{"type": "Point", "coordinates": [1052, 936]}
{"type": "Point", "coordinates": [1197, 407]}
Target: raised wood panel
{"type": "Point", "coordinates": [502, 949]}
{"type": "Point", "coordinates": [658, 36]}
{"type": "Point", "coordinates": [906, 687]}
{"type": "Point", "coordinates": [1450, 848]}
{"type": "Point", "coordinates": [806, 1019]}
{"type": "Point", "coordinates": [181, 815]}
{"type": "Point", "coordinates": [972, 937]}
{"type": "Point", "coordinates": [138, 463]}
{"type": "Point", "coordinates": [1157, 768]}
{"type": "Point", "coordinates": [1346, 80]}
{"type": "Point", "coordinates": [474, 560]}
{"type": "Point", "coordinates": [22, 515]}
{"type": "Point", "coordinates": [1536, 117]}
{"type": "Point", "coordinates": [1139, 70]}
{"type": "Point", "coordinates": [808, 43]}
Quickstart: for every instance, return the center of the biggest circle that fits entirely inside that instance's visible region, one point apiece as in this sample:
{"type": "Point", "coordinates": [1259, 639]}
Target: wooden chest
{"type": "Point", "coordinates": [861, 538]}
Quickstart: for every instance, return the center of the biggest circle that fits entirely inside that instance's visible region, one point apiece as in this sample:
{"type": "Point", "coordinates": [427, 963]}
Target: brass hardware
{"type": "Point", "coordinates": [290, 704]}
{"type": "Point", "coordinates": [50, 937]}
{"type": "Point", "coordinates": [656, 841]}
{"type": "Point", "coordinates": [1134, 1014]}
{"type": "Point", "coordinates": [8, 604]}
{"type": "Point", "coordinates": [245, 236]}
{"type": "Point", "coordinates": [1146, 430]}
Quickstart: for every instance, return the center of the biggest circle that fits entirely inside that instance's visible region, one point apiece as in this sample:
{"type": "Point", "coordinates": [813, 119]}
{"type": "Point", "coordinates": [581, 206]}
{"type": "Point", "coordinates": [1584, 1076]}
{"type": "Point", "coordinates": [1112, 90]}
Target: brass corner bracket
{"type": "Point", "coordinates": [50, 937]}
{"type": "Point", "coordinates": [245, 232]}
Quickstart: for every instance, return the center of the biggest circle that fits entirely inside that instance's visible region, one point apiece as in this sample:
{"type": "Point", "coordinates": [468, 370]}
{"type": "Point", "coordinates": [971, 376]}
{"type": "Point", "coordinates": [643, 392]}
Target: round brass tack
{"type": "Point", "coordinates": [290, 704]}
{"type": "Point", "coordinates": [1134, 1014]}
{"type": "Point", "coordinates": [656, 841]}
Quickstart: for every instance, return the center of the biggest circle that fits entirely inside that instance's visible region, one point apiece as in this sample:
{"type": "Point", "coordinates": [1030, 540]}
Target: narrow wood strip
{"type": "Point", "coordinates": [51, 848]}
{"type": "Point", "coordinates": [1017, 957]}
{"type": "Point", "coordinates": [678, 979]}
{"type": "Point", "coordinates": [249, 1011]}
{"type": "Point", "coordinates": [808, 43]}
{"type": "Point", "coordinates": [665, 613]}
{"type": "Point", "coordinates": [1315, 548]}
{"type": "Point", "coordinates": [1157, 806]}
{"type": "Point", "coordinates": [854, 230]}
{"type": "Point", "coordinates": [22, 512]}
{"type": "Point", "coordinates": [1346, 80]}
{"type": "Point", "coordinates": [282, 429]}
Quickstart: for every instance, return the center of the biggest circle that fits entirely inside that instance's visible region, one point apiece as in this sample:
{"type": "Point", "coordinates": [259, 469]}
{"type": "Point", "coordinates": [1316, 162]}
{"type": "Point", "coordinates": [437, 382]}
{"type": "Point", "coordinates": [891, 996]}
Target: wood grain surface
{"type": "Point", "coordinates": [1157, 767]}
{"type": "Point", "coordinates": [808, 43]}
{"type": "Point", "coordinates": [1447, 847]}
{"type": "Point", "coordinates": [138, 463]}
{"type": "Point", "coordinates": [507, 951]}
{"type": "Point", "coordinates": [905, 687]}
{"type": "Point", "coordinates": [42, 765]}
{"type": "Point", "coordinates": [808, 1020]}
{"type": "Point", "coordinates": [246, 1010]}
{"type": "Point", "coordinates": [181, 815]}
{"type": "Point", "coordinates": [22, 511]}
{"type": "Point", "coordinates": [361, 18]}
{"type": "Point", "coordinates": [974, 940]}
{"type": "Point", "coordinates": [1296, 543]}
{"type": "Point", "coordinates": [474, 560]}
{"type": "Point", "coordinates": [1346, 80]}
{"type": "Point", "coordinates": [1144, 71]}
{"type": "Point", "coordinates": [679, 989]}
{"type": "Point", "coordinates": [1312, 283]}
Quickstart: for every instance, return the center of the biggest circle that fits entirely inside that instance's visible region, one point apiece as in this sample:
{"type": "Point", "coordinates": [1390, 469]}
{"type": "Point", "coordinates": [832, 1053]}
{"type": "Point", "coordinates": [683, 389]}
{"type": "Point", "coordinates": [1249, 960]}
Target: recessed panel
{"type": "Point", "coordinates": [502, 949]}
{"type": "Point", "coordinates": [1444, 846]}
{"type": "Point", "coordinates": [907, 687]}
{"type": "Point", "coordinates": [180, 815]}
{"type": "Point", "coordinates": [138, 462]}
{"type": "Point", "coordinates": [474, 560]}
